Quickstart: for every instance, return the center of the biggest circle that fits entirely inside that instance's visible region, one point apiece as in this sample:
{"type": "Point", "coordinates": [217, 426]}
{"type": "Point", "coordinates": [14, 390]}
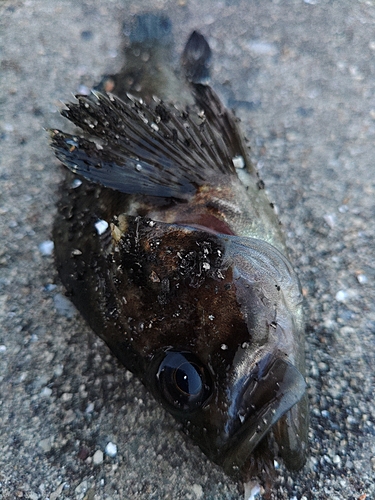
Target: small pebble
{"type": "Point", "coordinates": [69, 417]}
{"type": "Point", "coordinates": [198, 490]}
{"type": "Point", "coordinates": [82, 487]}
{"type": "Point", "coordinates": [45, 444]}
{"type": "Point", "coordinates": [111, 450]}
{"type": "Point", "coordinates": [362, 279]}
{"type": "Point", "coordinates": [58, 370]}
{"type": "Point", "coordinates": [50, 287]}
{"type": "Point", "coordinates": [57, 493]}
{"type": "Point", "coordinates": [343, 209]}
{"type": "Point", "coordinates": [351, 420]}
{"type": "Point", "coordinates": [98, 457]}
{"type": "Point", "coordinates": [46, 392]}
{"type": "Point", "coordinates": [341, 295]}
{"type": "Point", "coordinates": [64, 306]}
{"type": "Point", "coordinates": [90, 408]}
{"type": "Point", "coordinates": [330, 220]}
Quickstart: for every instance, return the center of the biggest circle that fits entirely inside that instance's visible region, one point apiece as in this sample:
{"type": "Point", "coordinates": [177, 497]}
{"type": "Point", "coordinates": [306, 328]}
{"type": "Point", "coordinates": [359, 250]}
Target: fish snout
{"type": "Point", "coordinates": [272, 388]}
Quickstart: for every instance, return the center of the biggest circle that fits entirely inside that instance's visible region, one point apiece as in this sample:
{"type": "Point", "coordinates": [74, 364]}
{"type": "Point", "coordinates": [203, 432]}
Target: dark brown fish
{"type": "Point", "coordinates": [168, 246]}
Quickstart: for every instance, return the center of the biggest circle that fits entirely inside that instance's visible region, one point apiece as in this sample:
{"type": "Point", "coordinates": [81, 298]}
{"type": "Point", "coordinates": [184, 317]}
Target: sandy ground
{"type": "Point", "coordinates": [301, 76]}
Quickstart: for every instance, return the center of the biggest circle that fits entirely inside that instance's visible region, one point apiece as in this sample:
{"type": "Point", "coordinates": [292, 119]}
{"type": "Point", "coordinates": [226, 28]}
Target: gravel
{"type": "Point", "coordinates": [301, 76]}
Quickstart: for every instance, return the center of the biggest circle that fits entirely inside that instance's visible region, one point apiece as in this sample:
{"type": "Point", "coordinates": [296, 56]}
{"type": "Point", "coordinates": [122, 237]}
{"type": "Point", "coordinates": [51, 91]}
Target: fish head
{"type": "Point", "coordinates": [213, 331]}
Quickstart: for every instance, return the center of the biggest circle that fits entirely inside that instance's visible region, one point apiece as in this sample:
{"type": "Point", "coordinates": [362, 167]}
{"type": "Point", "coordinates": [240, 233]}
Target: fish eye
{"type": "Point", "coordinates": [183, 381]}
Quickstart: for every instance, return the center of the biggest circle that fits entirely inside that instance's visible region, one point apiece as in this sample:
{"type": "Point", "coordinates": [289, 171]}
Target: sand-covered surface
{"type": "Point", "coordinates": [301, 76]}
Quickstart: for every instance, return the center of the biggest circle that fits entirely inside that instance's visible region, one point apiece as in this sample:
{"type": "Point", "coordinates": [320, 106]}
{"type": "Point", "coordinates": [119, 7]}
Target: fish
{"type": "Point", "coordinates": [168, 246]}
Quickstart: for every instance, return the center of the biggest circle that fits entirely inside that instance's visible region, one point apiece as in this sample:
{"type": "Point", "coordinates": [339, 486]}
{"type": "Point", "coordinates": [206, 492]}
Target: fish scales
{"type": "Point", "coordinates": [189, 281]}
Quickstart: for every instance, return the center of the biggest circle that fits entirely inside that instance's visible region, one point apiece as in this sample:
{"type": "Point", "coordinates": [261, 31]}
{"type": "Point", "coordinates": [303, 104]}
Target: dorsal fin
{"type": "Point", "coordinates": [152, 150]}
{"type": "Point", "coordinates": [223, 121]}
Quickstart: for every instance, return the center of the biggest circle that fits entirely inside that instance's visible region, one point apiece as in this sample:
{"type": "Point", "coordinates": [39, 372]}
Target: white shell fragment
{"type": "Point", "coordinates": [111, 450]}
{"type": "Point", "coordinates": [101, 226]}
{"type": "Point", "coordinates": [76, 183]}
{"type": "Point", "coordinates": [46, 247]}
{"type": "Point", "coordinates": [238, 161]}
{"type": "Point", "coordinates": [362, 279]}
{"type": "Point", "coordinates": [330, 220]}
{"type": "Point", "coordinates": [341, 296]}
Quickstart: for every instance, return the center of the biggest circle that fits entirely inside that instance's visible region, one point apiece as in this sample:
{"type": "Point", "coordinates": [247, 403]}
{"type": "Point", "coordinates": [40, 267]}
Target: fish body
{"type": "Point", "coordinates": [168, 246]}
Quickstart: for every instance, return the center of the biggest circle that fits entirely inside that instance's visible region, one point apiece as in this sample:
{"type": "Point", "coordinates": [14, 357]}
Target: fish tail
{"type": "Point", "coordinates": [196, 59]}
{"type": "Point", "coordinates": [149, 60]}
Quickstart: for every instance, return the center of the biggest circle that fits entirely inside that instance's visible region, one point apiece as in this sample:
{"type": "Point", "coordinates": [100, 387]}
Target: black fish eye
{"type": "Point", "coordinates": [183, 381]}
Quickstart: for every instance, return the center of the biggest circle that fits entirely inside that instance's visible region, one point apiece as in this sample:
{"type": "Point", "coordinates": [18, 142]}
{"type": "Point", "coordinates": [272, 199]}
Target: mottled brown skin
{"type": "Point", "coordinates": [196, 266]}
{"type": "Point", "coordinates": [137, 291]}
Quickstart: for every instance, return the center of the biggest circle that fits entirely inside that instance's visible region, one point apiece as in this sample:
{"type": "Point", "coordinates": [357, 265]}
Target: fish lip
{"type": "Point", "coordinates": [279, 387]}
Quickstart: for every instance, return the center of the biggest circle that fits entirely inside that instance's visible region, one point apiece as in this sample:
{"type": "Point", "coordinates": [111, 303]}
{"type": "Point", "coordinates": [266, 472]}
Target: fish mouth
{"type": "Point", "coordinates": [268, 394]}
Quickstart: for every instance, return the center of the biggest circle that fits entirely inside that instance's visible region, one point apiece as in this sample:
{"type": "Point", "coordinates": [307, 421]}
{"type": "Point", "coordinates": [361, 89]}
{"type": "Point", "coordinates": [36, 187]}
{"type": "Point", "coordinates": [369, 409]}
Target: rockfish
{"type": "Point", "coordinates": [169, 248]}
